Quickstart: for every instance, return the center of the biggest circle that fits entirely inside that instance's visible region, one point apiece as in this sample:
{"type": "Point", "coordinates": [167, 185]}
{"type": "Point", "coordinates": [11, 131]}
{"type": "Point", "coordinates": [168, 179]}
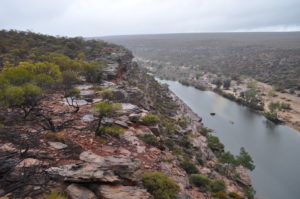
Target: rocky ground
{"type": "Point", "coordinates": [34, 161]}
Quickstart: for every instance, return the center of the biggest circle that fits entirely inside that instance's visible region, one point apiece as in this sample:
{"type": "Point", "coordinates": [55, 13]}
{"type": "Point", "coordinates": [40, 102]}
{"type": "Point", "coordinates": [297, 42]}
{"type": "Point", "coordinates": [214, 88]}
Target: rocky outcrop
{"type": "Point", "coordinates": [96, 168]}
{"type": "Point", "coordinates": [122, 192]}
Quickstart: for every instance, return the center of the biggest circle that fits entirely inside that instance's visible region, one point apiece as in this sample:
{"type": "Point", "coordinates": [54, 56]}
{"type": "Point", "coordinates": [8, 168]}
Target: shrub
{"type": "Point", "coordinates": [250, 192]}
{"type": "Point", "coordinates": [55, 195]}
{"type": "Point", "coordinates": [113, 130]}
{"type": "Point", "coordinates": [189, 167]}
{"type": "Point", "coordinates": [70, 78]}
{"type": "Point", "coordinates": [149, 139]}
{"type": "Point", "coordinates": [228, 158]}
{"type": "Point", "coordinates": [105, 109]}
{"type": "Point", "coordinates": [215, 144]}
{"type": "Point", "coordinates": [92, 72]}
{"type": "Point", "coordinates": [160, 185]}
{"type": "Point", "coordinates": [217, 185]}
{"type": "Point", "coordinates": [107, 93]}
{"type": "Point", "coordinates": [43, 80]}
{"type": "Point", "coordinates": [150, 119]}
{"type": "Point", "coordinates": [204, 131]}
{"type": "Point", "coordinates": [199, 180]}
{"type": "Point", "coordinates": [220, 195]}
{"type": "Point", "coordinates": [55, 136]}
{"type": "Point", "coordinates": [245, 159]}
{"type": "Point", "coordinates": [234, 195]}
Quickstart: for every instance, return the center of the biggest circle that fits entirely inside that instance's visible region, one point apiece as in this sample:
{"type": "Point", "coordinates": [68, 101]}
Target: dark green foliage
{"type": "Point", "coordinates": [250, 192]}
{"type": "Point", "coordinates": [217, 82]}
{"type": "Point", "coordinates": [215, 144]}
{"type": "Point", "coordinates": [199, 180]}
{"type": "Point", "coordinates": [245, 159]}
{"type": "Point", "coordinates": [228, 158]}
{"type": "Point", "coordinates": [160, 185]}
{"type": "Point", "coordinates": [272, 116]}
{"type": "Point", "coordinates": [189, 167]}
{"type": "Point", "coordinates": [204, 131]}
{"type": "Point", "coordinates": [149, 139]}
{"type": "Point", "coordinates": [226, 83]}
{"type": "Point", "coordinates": [217, 185]}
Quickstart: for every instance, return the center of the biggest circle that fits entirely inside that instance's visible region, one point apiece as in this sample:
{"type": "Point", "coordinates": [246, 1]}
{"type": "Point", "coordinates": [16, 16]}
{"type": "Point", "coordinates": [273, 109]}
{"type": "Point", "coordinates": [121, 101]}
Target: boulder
{"type": "Point", "coordinates": [122, 124]}
{"type": "Point", "coordinates": [84, 172]}
{"type": "Point", "coordinates": [88, 118]}
{"type": "Point", "coordinates": [57, 145]}
{"type": "Point", "coordinates": [123, 166]}
{"type": "Point", "coordinates": [122, 192]}
{"type": "Point", "coordinates": [76, 191]}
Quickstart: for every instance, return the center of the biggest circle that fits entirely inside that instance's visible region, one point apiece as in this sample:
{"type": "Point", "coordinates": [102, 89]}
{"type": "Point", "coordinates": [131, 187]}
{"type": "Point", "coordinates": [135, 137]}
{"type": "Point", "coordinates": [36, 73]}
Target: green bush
{"type": "Point", "coordinates": [220, 195]}
{"type": "Point", "coordinates": [113, 130]}
{"type": "Point", "coordinates": [199, 180]}
{"type": "Point", "coordinates": [234, 195]}
{"type": "Point", "coordinates": [149, 139]}
{"type": "Point", "coordinates": [189, 167]}
{"type": "Point", "coordinates": [160, 185]}
{"type": "Point", "coordinates": [245, 159]}
{"type": "Point", "coordinates": [217, 185]}
{"type": "Point", "coordinates": [55, 195]}
{"type": "Point", "coordinates": [150, 119]}
{"type": "Point", "coordinates": [70, 78]}
{"type": "Point", "coordinates": [250, 192]}
{"type": "Point", "coordinates": [215, 144]}
{"type": "Point", "coordinates": [228, 158]}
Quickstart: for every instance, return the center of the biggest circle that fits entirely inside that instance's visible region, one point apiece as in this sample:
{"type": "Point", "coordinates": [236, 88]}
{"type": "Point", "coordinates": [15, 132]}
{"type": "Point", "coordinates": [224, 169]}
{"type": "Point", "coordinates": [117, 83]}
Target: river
{"type": "Point", "coordinates": [275, 149]}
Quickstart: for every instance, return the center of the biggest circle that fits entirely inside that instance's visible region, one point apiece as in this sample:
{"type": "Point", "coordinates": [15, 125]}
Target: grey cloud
{"type": "Point", "coordinates": [117, 17]}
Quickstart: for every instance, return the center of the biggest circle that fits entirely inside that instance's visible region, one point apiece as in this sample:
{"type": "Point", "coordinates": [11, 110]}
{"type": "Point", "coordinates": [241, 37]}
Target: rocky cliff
{"type": "Point", "coordinates": [153, 131]}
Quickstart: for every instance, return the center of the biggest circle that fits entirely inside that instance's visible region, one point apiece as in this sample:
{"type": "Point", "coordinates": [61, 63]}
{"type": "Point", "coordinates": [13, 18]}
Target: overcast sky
{"type": "Point", "coordinates": [121, 17]}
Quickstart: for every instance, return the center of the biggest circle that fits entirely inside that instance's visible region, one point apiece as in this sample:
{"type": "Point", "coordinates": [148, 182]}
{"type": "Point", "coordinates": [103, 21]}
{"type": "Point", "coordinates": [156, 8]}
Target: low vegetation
{"type": "Point", "coordinates": [160, 185]}
{"type": "Point", "coordinates": [149, 139]}
{"type": "Point", "coordinates": [150, 119]}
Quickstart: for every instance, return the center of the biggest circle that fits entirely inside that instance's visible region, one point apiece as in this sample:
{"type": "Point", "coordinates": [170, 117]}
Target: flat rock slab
{"type": "Point", "coordinates": [124, 166]}
{"type": "Point", "coordinates": [84, 172]}
{"type": "Point", "coordinates": [84, 86]}
{"type": "Point", "coordinates": [96, 168]}
{"type": "Point", "coordinates": [78, 102]}
{"type": "Point", "coordinates": [57, 145]}
{"type": "Point", "coordinates": [122, 192]}
{"type": "Point", "coordinates": [76, 191]}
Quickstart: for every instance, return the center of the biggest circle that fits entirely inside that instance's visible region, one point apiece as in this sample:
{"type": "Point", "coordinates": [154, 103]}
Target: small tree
{"type": "Point", "coordinates": [226, 83]}
{"type": "Point", "coordinates": [25, 97]}
{"type": "Point", "coordinates": [71, 96]}
{"type": "Point", "coordinates": [105, 109]}
{"type": "Point", "coordinates": [245, 159]}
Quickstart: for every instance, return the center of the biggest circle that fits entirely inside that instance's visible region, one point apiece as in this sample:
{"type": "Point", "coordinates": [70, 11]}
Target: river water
{"type": "Point", "coordinates": [275, 149]}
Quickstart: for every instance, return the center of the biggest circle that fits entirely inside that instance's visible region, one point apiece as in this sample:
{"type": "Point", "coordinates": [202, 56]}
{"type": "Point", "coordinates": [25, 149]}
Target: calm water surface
{"type": "Point", "coordinates": [275, 149]}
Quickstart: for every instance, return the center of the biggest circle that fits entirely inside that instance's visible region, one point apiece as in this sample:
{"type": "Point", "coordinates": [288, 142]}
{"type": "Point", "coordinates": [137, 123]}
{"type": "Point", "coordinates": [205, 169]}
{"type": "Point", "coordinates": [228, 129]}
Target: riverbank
{"type": "Point", "coordinates": [266, 95]}
{"type": "Point", "coordinates": [279, 143]}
